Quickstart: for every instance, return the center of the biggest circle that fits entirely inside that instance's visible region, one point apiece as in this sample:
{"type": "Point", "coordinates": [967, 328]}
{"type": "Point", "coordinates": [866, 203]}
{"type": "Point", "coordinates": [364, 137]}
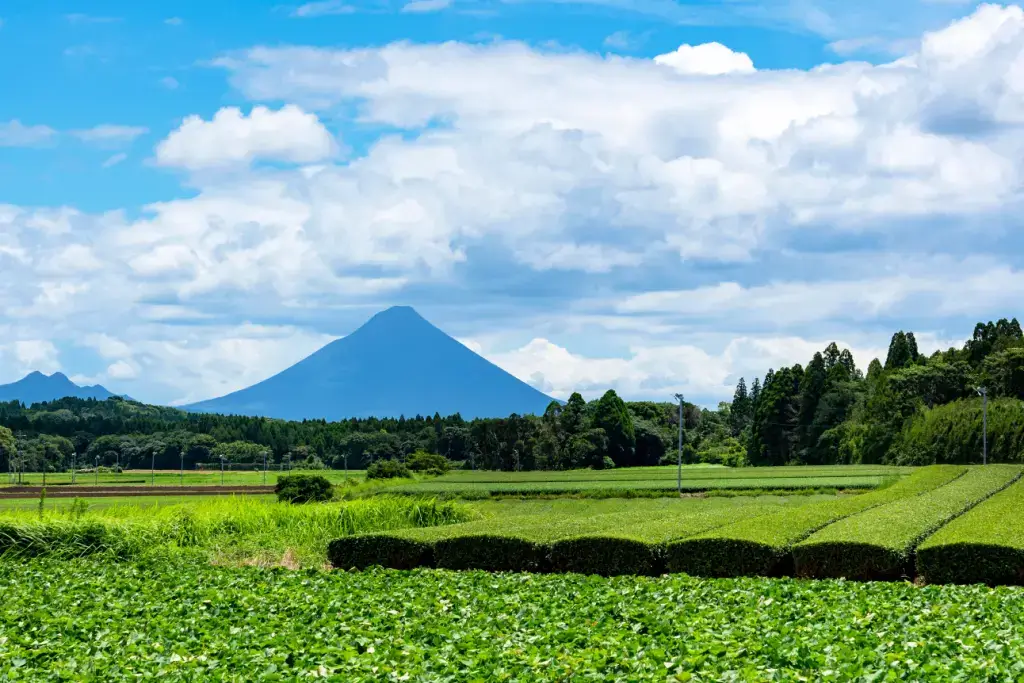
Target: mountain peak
{"type": "Point", "coordinates": [35, 387]}
{"type": "Point", "coordinates": [397, 363]}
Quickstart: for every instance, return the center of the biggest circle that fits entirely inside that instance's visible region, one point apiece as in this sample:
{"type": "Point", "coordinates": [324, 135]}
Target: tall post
{"type": "Point", "coordinates": [181, 476]}
{"type": "Point", "coordinates": [264, 467]}
{"type": "Point", "coordinates": [152, 467]}
{"type": "Point", "coordinates": [984, 426]}
{"type": "Point", "coordinates": [222, 470]}
{"type": "Point", "coordinates": [73, 466]}
{"type": "Point", "coordinates": [679, 453]}
{"type": "Point", "coordinates": [96, 470]}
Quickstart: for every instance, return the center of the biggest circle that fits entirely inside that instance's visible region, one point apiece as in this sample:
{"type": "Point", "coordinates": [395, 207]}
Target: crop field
{"type": "Point", "coordinates": [867, 536]}
{"type": "Point", "coordinates": [91, 620]}
{"type": "Point", "coordinates": [472, 484]}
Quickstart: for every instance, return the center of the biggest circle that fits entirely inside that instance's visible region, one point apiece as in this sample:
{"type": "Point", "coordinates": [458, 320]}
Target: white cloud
{"type": "Point", "coordinates": [109, 134]}
{"type": "Point", "coordinates": [174, 21]}
{"type": "Point", "coordinates": [122, 370]}
{"type": "Point", "coordinates": [426, 5]}
{"type": "Point", "coordinates": [31, 354]}
{"type": "Point", "coordinates": [322, 9]}
{"type": "Point", "coordinates": [169, 82]}
{"type": "Point", "coordinates": [231, 138]}
{"type": "Point", "coordinates": [16, 134]}
{"type": "Point", "coordinates": [710, 59]}
{"type": "Point", "coordinates": [674, 227]}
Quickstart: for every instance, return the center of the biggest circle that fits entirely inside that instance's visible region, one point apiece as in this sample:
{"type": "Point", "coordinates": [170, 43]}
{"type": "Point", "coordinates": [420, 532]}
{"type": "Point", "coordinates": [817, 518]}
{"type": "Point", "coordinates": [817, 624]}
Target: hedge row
{"type": "Point", "coordinates": [527, 542]}
{"type": "Point", "coordinates": [879, 543]}
{"type": "Point", "coordinates": [641, 549]}
{"type": "Point", "coordinates": [985, 545]}
{"type": "Point", "coordinates": [762, 545]}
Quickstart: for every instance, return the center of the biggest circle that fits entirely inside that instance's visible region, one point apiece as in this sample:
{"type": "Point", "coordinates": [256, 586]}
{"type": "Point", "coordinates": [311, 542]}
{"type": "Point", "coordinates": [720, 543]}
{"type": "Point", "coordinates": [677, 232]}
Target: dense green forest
{"type": "Point", "coordinates": [909, 409]}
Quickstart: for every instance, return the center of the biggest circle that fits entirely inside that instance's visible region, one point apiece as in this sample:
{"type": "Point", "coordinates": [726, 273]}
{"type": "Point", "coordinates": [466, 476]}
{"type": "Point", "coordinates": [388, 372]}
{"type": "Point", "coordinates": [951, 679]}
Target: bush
{"type": "Point", "coordinates": [303, 488]}
{"type": "Point", "coordinates": [879, 543]}
{"type": "Point", "coordinates": [388, 469]}
{"type": "Point", "coordinates": [428, 463]}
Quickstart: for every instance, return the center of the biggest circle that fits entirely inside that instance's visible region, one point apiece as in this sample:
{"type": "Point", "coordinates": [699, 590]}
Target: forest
{"type": "Point", "coordinates": [908, 409]}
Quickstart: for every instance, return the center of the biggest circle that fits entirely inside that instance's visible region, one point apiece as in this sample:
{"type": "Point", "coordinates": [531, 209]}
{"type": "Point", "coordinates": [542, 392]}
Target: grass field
{"type": "Point", "coordinates": [98, 621]}
{"type": "Point", "coordinates": [237, 530]}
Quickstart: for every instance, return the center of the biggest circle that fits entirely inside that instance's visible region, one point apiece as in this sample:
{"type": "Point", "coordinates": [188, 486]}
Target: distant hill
{"type": "Point", "coordinates": [37, 388]}
{"type": "Point", "coordinates": [395, 364]}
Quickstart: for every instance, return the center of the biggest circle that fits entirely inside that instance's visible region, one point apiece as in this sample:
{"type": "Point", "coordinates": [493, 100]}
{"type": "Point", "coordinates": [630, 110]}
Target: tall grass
{"type": "Point", "coordinates": [234, 529]}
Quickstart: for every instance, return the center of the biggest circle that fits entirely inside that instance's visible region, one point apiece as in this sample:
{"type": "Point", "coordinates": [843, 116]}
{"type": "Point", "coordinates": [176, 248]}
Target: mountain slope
{"type": "Point", "coordinates": [395, 364]}
{"type": "Point", "coordinates": [37, 387]}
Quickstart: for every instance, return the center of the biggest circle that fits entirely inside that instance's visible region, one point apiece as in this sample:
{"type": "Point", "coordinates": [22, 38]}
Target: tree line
{"type": "Point", "coordinates": [606, 432]}
{"type": "Point", "coordinates": [909, 409]}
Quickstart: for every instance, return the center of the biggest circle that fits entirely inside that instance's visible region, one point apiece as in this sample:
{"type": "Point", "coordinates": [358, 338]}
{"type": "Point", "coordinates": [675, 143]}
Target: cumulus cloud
{"type": "Point", "coordinates": [710, 59]}
{"type": "Point", "coordinates": [230, 138]}
{"type": "Point", "coordinates": [660, 201]}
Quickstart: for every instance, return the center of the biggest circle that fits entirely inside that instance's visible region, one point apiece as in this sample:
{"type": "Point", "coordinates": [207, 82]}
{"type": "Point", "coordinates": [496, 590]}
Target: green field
{"type": "Point", "coordinates": [88, 620]}
{"type": "Point", "coordinates": [168, 478]}
{"type": "Point", "coordinates": [865, 536]}
{"type": "Point", "coordinates": [477, 484]}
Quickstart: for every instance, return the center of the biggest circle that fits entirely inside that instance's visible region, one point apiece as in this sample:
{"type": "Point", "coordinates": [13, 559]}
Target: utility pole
{"type": "Point", "coordinates": [984, 424]}
{"type": "Point", "coordinates": [222, 470]}
{"type": "Point", "coordinates": [264, 466]}
{"type": "Point", "coordinates": [679, 454]}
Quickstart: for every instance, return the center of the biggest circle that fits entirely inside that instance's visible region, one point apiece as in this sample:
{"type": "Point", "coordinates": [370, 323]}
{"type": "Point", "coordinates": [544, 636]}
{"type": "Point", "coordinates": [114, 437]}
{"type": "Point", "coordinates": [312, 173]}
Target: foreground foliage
{"type": "Point", "coordinates": [87, 620]}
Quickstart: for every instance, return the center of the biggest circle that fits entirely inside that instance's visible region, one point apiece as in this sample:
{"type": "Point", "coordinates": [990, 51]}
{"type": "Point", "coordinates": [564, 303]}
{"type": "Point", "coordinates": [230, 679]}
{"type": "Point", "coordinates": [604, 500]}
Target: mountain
{"type": "Point", "coordinates": [37, 387]}
{"type": "Point", "coordinates": [396, 364]}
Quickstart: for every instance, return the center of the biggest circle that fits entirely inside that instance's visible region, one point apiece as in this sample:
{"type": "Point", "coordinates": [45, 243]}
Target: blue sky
{"type": "Point", "coordinates": [651, 196]}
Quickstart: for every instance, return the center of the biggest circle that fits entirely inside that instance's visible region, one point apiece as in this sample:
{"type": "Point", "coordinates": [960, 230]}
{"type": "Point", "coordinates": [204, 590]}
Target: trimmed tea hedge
{"type": "Point", "coordinates": [641, 549]}
{"type": "Point", "coordinates": [523, 543]}
{"type": "Point", "coordinates": [761, 546]}
{"type": "Point", "coordinates": [879, 543]}
{"type": "Point", "coordinates": [985, 545]}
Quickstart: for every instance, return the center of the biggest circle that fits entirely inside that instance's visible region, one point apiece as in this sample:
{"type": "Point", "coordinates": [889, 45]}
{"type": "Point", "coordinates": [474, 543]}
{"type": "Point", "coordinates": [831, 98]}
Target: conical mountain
{"type": "Point", "coordinates": [38, 388]}
{"type": "Point", "coordinates": [396, 364]}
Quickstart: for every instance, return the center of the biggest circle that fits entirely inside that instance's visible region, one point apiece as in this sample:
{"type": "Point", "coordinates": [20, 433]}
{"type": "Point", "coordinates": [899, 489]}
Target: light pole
{"type": "Point", "coordinates": [181, 476]}
{"type": "Point", "coordinates": [679, 454]}
{"type": "Point", "coordinates": [984, 424]}
{"type": "Point", "coordinates": [73, 461]}
{"type": "Point", "coordinates": [264, 466]}
{"type": "Point", "coordinates": [222, 470]}
{"type": "Point", "coordinates": [152, 467]}
{"type": "Point", "coordinates": [96, 470]}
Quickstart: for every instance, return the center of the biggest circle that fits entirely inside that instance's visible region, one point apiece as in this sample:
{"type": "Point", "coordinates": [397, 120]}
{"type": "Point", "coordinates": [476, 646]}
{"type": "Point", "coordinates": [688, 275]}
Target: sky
{"type": "Point", "coordinates": [654, 196]}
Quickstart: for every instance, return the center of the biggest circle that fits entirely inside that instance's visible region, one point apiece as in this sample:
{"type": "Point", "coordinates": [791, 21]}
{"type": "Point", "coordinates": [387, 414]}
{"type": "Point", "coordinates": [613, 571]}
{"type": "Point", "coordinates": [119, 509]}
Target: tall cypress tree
{"type": "Point", "coordinates": [741, 410]}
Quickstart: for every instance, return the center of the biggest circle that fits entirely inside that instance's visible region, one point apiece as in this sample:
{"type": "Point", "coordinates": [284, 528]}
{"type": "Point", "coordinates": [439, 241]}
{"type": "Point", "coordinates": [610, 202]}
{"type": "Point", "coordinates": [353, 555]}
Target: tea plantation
{"type": "Point", "coordinates": [868, 536]}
